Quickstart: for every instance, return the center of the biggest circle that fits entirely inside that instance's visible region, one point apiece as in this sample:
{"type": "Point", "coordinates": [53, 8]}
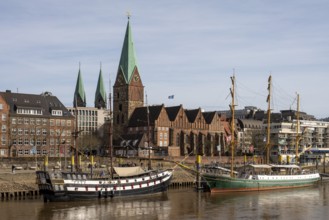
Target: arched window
{"type": "Point", "coordinates": [122, 119]}
{"type": "Point", "coordinates": [118, 119]}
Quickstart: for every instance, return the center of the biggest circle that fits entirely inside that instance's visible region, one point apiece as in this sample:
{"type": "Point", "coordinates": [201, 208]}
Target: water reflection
{"type": "Point", "coordinates": [304, 203]}
{"type": "Point", "coordinates": [148, 207]}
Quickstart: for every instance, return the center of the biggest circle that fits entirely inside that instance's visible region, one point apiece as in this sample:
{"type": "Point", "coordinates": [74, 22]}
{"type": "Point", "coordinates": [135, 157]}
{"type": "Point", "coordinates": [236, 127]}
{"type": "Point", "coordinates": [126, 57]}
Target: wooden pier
{"type": "Point", "coordinates": [19, 194]}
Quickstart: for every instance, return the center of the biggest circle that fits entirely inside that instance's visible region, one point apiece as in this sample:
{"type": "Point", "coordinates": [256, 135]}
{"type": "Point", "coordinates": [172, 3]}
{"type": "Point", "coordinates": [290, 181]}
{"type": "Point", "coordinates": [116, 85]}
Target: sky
{"type": "Point", "coordinates": [185, 48]}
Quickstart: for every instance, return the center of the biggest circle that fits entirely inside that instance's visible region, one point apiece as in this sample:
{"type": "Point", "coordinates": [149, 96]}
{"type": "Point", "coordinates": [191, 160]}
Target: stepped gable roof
{"type": "Point", "coordinates": [192, 114]}
{"type": "Point", "coordinates": [172, 112]}
{"type": "Point", "coordinates": [128, 61]}
{"type": "Point", "coordinates": [79, 93]}
{"type": "Point", "coordinates": [209, 116]}
{"type": "Point", "coordinates": [139, 116]}
{"type": "Point", "coordinates": [45, 101]}
{"type": "Point", "coordinates": [100, 94]}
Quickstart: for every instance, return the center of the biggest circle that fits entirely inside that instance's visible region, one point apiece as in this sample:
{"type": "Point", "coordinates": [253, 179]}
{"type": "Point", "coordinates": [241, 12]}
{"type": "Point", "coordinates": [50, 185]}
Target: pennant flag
{"type": "Point", "coordinates": [171, 97]}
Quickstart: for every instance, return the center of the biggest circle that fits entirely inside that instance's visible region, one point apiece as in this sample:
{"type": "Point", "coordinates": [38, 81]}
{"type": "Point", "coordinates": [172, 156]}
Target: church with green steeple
{"type": "Point", "coordinates": [128, 89]}
{"type": "Point", "coordinates": [79, 99]}
{"type": "Point", "coordinates": [100, 94]}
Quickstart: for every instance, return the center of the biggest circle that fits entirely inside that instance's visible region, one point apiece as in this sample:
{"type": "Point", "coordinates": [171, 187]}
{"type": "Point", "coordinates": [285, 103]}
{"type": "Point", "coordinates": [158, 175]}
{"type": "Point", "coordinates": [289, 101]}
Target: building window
{"type": "Point", "coordinates": [26, 121]}
{"type": "Point", "coordinates": [4, 117]}
{"type": "Point", "coordinates": [20, 131]}
{"type": "Point", "coordinates": [3, 128]}
{"type": "Point", "coordinates": [1, 106]}
{"type": "Point", "coordinates": [3, 139]}
{"type": "Point", "coordinates": [38, 121]}
{"type": "Point", "coordinates": [13, 131]}
{"type": "Point", "coordinates": [44, 121]}
{"type": "Point", "coordinates": [19, 121]}
{"type": "Point", "coordinates": [57, 112]}
{"type": "Point", "coordinates": [44, 142]}
{"type": "Point", "coordinates": [62, 122]}
{"type": "Point", "coordinates": [68, 123]}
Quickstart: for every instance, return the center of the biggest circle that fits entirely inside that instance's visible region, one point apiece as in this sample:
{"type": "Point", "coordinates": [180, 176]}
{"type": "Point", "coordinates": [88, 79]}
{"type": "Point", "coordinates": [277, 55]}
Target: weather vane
{"type": "Point", "coordinates": [128, 14]}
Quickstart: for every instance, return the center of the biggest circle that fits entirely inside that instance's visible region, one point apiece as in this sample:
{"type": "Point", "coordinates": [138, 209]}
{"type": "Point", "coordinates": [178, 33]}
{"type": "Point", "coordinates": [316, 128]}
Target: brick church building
{"type": "Point", "coordinates": [172, 131]}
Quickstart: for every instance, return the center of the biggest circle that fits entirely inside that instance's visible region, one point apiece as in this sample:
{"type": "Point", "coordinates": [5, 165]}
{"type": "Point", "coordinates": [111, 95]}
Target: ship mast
{"type": "Point", "coordinates": [148, 135]}
{"type": "Point", "coordinates": [297, 129]}
{"type": "Point", "coordinates": [268, 100]}
{"type": "Point", "coordinates": [110, 130]}
{"type": "Point", "coordinates": [232, 106]}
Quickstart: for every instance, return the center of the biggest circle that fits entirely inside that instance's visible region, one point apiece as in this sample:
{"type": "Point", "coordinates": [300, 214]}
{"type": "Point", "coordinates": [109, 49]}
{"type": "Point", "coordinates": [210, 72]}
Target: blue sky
{"type": "Point", "coordinates": [186, 48]}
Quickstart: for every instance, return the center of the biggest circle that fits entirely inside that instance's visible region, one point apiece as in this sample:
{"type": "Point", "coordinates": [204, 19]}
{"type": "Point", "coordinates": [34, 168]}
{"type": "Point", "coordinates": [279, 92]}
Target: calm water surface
{"type": "Point", "coordinates": [305, 203]}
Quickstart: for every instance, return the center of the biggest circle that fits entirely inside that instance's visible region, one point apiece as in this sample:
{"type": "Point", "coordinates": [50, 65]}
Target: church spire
{"type": "Point", "coordinates": [128, 60]}
{"type": "Point", "coordinates": [79, 99]}
{"type": "Point", "coordinates": [100, 94]}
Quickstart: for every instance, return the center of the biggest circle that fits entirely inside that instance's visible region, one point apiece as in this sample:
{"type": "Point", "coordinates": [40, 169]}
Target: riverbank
{"type": "Point", "coordinates": [25, 180]}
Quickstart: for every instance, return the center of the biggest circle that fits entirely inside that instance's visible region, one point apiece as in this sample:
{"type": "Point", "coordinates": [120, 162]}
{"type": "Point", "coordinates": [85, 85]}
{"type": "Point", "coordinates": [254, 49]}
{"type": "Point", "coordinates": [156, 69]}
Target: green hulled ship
{"type": "Point", "coordinates": [256, 177]}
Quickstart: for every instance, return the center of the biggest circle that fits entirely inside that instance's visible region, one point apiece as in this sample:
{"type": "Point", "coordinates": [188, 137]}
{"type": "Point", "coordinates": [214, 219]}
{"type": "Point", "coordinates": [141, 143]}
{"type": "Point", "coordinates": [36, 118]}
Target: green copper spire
{"type": "Point", "coordinates": [100, 94]}
{"type": "Point", "coordinates": [128, 60]}
{"type": "Point", "coordinates": [79, 99]}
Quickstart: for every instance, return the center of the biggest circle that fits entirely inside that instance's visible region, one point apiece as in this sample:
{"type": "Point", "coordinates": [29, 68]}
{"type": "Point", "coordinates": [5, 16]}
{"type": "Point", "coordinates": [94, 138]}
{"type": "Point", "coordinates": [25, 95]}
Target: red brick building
{"type": "Point", "coordinates": [173, 130]}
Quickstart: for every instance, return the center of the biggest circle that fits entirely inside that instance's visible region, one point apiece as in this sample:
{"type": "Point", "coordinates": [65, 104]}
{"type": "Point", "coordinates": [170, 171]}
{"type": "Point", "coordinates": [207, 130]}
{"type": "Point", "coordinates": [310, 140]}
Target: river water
{"type": "Point", "coordinates": [305, 203]}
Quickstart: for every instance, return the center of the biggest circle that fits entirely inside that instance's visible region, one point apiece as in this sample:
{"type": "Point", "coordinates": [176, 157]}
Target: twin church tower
{"type": "Point", "coordinates": [128, 89]}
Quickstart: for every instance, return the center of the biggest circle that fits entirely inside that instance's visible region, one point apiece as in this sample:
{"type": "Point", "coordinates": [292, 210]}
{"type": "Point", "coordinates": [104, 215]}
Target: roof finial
{"type": "Point", "coordinates": [128, 15]}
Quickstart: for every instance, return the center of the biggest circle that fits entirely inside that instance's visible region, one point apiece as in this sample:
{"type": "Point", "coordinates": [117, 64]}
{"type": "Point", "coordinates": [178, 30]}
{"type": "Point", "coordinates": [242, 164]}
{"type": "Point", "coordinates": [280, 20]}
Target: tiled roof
{"type": "Point", "coordinates": [139, 116]}
{"type": "Point", "coordinates": [209, 116]}
{"type": "Point", "coordinates": [192, 114]}
{"type": "Point", "coordinates": [173, 111]}
{"type": "Point", "coordinates": [46, 101]}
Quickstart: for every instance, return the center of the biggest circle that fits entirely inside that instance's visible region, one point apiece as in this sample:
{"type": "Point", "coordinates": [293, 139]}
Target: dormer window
{"type": "Point", "coordinates": [57, 112]}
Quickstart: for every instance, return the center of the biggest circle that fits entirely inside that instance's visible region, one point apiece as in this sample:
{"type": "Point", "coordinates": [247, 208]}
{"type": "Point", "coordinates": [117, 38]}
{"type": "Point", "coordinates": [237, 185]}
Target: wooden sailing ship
{"type": "Point", "coordinates": [127, 181]}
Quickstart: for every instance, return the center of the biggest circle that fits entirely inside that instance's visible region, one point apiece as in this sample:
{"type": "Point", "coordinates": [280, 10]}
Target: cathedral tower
{"type": "Point", "coordinates": [100, 94]}
{"type": "Point", "coordinates": [79, 99]}
{"type": "Point", "coordinates": [128, 89]}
